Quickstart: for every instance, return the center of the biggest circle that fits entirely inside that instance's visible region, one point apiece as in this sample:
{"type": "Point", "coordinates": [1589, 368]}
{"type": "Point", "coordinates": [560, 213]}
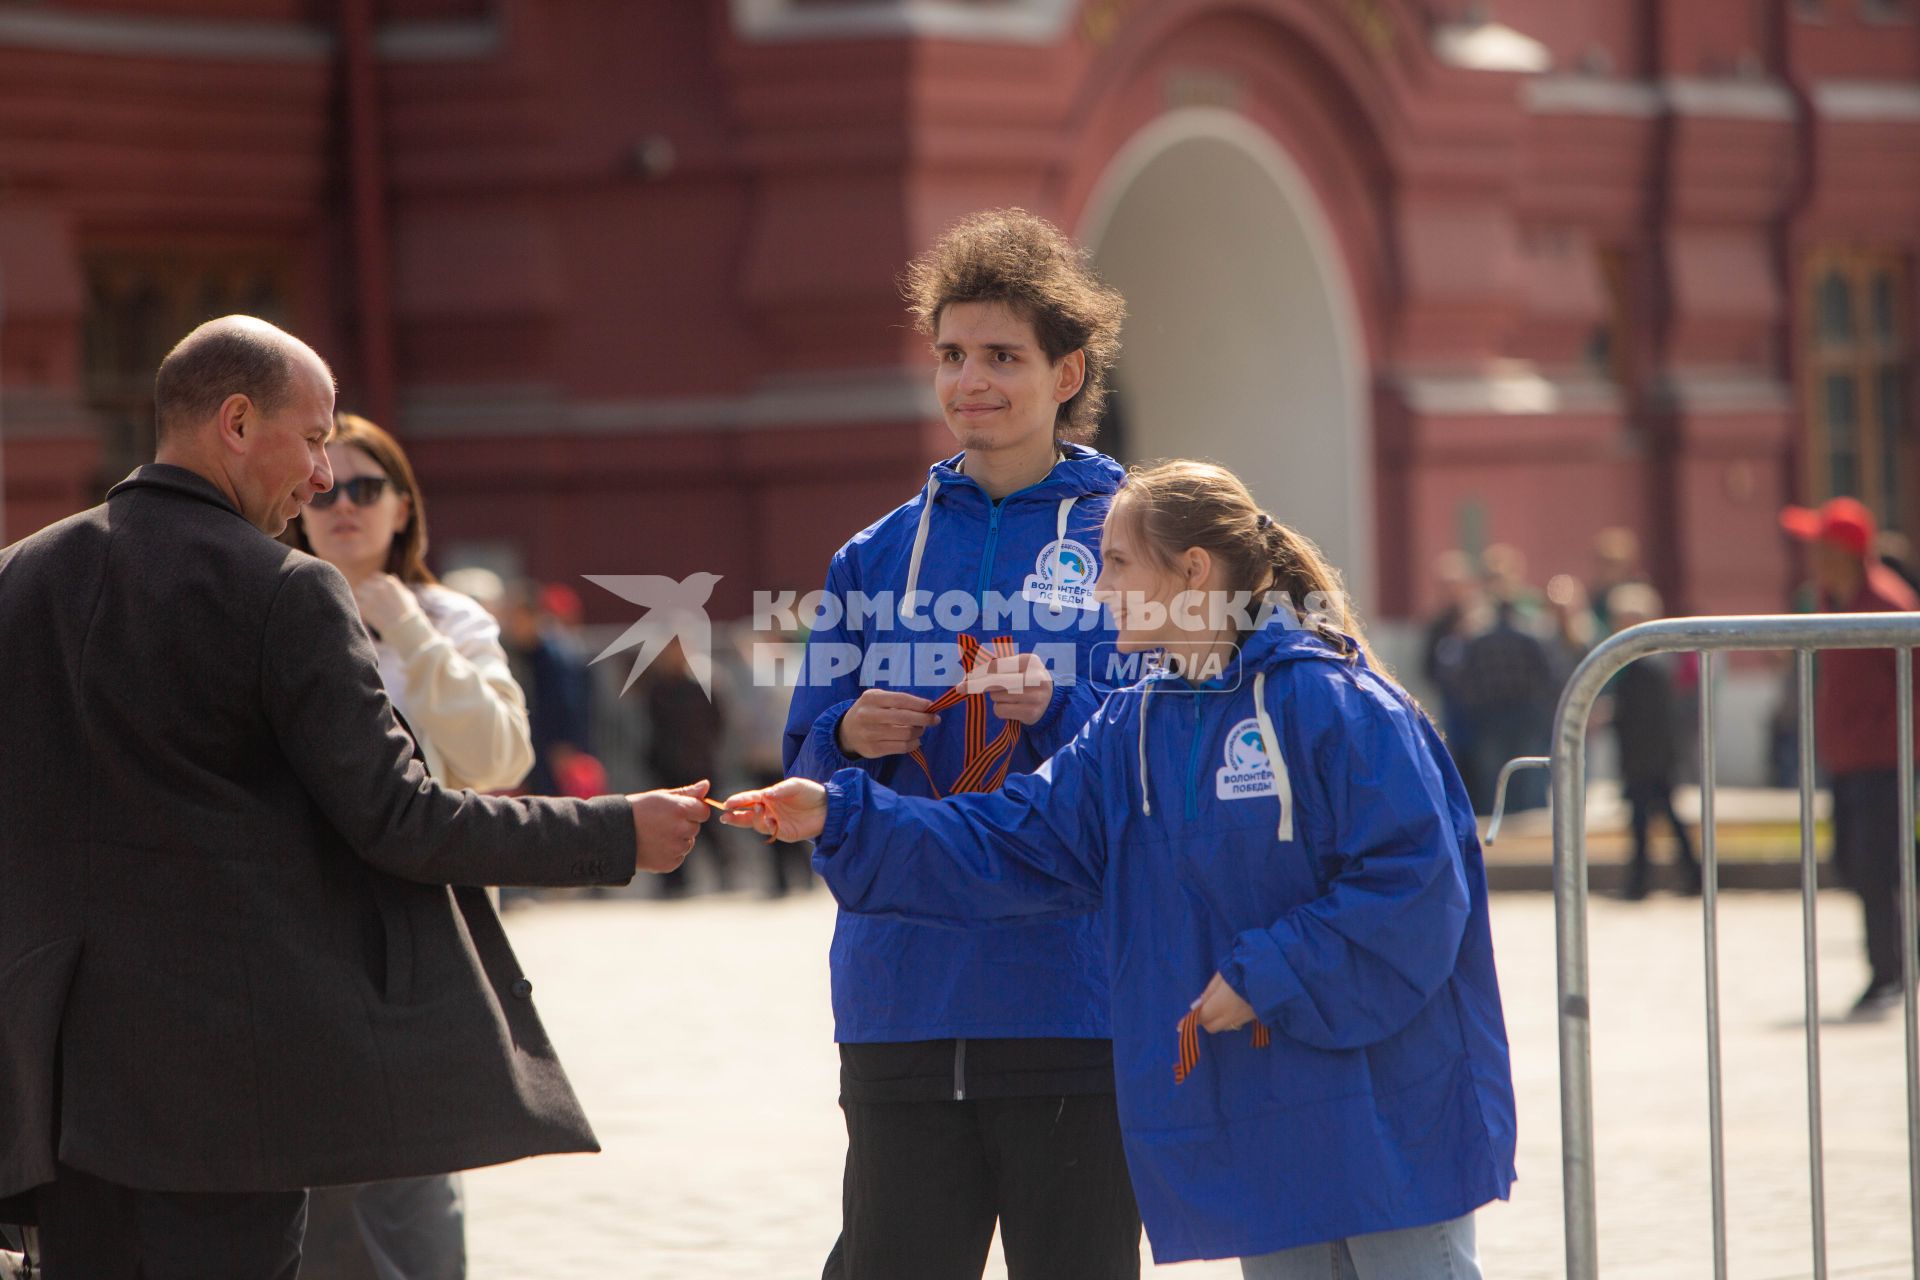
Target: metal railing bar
{"type": "Point", "coordinates": [1810, 941]}
{"type": "Point", "coordinates": [1568, 781]}
{"type": "Point", "coordinates": [1710, 911]}
{"type": "Point", "coordinates": [1797, 632]}
{"type": "Point", "coordinates": [1909, 956]}
{"type": "Point", "coordinates": [1507, 771]}
{"type": "Point", "coordinates": [1758, 632]}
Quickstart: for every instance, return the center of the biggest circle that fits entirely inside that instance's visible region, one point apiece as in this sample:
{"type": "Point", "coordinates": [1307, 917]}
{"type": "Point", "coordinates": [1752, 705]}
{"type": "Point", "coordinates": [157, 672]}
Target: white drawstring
{"type": "Point", "coordinates": [1060, 535]}
{"type": "Point", "coordinates": [920, 543]}
{"type": "Point", "coordinates": [919, 549]}
{"type": "Point", "coordinates": [1282, 784]}
{"type": "Point", "coordinates": [1146, 800]}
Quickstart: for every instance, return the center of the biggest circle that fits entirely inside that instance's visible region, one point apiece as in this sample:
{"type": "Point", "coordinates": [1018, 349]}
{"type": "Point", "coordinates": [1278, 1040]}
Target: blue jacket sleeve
{"type": "Point", "coordinates": [1033, 850]}
{"type": "Point", "coordinates": [1072, 706]}
{"type": "Point", "coordinates": [1353, 967]}
{"type": "Point", "coordinates": [824, 691]}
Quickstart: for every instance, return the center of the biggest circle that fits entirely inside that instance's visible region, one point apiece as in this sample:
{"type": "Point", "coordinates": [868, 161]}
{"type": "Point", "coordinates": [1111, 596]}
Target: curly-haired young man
{"type": "Point", "coordinates": [977, 1065]}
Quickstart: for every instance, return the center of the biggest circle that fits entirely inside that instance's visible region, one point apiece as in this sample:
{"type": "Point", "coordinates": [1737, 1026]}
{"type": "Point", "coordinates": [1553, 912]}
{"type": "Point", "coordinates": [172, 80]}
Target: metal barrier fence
{"type": "Point", "coordinates": [1804, 634]}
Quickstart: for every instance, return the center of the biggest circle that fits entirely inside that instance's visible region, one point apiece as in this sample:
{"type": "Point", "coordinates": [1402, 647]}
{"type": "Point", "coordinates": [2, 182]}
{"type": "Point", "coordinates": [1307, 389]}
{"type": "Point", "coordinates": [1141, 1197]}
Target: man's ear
{"type": "Point", "coordinates": [1069, 376]}
{"type": "Point", "coordinates": [237, 419]}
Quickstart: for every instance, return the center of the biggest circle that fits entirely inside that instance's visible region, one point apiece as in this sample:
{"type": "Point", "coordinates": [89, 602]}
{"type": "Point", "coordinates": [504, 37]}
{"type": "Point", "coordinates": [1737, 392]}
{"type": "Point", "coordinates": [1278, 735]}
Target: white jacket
{"type": "Point", "coordinates": [447, 674]}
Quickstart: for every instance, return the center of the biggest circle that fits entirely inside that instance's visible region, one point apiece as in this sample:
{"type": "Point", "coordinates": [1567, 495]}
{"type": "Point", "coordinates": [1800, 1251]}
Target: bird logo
{"type": "Point", "coordinates": [1070, 566]}
{"type": "Point", "coordinates": [675, 611]}
{"type": "Point", "coordinates": [1245, 749]}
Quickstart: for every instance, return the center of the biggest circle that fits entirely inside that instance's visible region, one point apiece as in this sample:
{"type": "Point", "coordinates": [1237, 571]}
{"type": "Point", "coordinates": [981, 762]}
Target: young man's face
{"type": "Point", "coordinates": [996, 386]}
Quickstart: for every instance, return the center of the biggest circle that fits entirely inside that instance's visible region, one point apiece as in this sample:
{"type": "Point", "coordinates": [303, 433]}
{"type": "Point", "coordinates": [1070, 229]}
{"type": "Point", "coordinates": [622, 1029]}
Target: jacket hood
{"type": "Point", "coordinates": [1081, 472]}
{"type": "Point", "coordinates": [1273, 646]}
{"type": "Point", "coordinates": [1283, 639]}
{"type": "Point", "coordinates": [1280, 641]}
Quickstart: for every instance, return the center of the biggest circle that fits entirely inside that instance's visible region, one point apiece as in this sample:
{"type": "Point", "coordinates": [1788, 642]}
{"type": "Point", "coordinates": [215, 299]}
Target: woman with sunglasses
{"type": "Point", "coordinates": [444, 668]}
{"type": "Point", "coordinates": [1288, 863]}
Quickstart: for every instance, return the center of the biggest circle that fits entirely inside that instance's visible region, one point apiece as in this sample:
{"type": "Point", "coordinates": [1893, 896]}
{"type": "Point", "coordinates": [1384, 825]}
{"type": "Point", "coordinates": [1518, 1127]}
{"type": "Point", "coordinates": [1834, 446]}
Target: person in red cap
{"type": "Point", "coordinates": [1857, 728]}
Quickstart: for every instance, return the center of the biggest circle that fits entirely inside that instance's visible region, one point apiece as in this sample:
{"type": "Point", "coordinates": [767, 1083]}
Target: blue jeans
{"type": "Point", "coordinates": [1441, 1251]}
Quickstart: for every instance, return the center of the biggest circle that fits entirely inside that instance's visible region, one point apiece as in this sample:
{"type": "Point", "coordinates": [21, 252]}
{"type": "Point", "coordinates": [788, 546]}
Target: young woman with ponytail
{"type": "Point", "coordinates": [1289, 866]}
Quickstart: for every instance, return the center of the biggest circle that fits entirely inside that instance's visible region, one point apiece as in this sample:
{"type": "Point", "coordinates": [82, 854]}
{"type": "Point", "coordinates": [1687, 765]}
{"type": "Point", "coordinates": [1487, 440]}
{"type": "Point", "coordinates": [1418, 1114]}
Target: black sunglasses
{"type": "Point", "coordinates": [363, 490]}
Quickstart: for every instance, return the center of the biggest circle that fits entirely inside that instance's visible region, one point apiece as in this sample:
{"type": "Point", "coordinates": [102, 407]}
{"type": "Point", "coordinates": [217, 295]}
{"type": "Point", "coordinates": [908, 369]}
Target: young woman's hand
{"type": "Point", "coordinates": [882, 722]}
{"type": "Point", "coordinates": [1221, 1008]}
{"type": "Point", "coordinates": [1021, 687]}
{"type": "Point", "coordinates": [383, 601]}
{"type": "Point", "coordinates": [792, 810]}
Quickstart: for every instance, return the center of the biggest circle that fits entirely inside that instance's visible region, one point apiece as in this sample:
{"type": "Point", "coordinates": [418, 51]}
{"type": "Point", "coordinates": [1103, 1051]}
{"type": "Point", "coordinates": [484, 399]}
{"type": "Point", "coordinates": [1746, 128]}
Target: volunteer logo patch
{"type": "Point", "coordinates": [1063, 576]}
{"type": "Point", "coordinates": [1247, 772]}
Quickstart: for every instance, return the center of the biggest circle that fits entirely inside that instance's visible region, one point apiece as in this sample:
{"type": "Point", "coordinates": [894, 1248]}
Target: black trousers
{"type": "Point", "coordinates": [926, 1181]}
{"type": "Point", "coordinates": [91, 1229]}
{"type": "Point", "coordinates": [1646, 801]}
{"type": "Point", "coordinates": [1866, 852]}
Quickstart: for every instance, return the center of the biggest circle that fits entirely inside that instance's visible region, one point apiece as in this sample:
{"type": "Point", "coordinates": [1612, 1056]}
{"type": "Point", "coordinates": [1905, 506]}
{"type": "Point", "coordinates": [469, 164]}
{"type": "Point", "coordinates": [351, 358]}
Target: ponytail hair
{"type": "Point", "coordinates": [1171, 506]}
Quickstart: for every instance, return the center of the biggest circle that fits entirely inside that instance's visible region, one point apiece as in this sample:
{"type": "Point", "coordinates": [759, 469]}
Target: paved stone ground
{"type": "Point", "coordinates": [698, 1036]}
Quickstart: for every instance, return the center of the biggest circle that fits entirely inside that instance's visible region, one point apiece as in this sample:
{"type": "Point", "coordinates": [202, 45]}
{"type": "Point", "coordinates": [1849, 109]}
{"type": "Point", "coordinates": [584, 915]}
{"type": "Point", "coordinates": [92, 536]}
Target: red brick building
{"type": "Point", "coordinates": [620, 272]}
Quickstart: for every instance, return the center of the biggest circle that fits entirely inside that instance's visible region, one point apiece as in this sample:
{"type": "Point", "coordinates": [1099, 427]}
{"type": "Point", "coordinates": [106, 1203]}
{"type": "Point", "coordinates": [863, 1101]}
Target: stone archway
{"type": "Point", "coordinates": [1242, 342]}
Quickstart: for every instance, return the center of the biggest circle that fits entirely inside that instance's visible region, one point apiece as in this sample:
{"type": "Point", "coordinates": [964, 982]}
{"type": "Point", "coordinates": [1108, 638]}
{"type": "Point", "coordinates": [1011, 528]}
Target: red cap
{"type": "Point", "coordinates": [1845, 522]}
{"type": "Point", "coordinates": [563, 602]}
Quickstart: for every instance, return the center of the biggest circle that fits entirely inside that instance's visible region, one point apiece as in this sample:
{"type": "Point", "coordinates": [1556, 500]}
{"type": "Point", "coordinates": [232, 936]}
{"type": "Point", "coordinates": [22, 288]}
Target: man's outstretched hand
{"type": "Point", "coordinates": [792, 810]}
{"type": "Point", "coordinates": [665, 824]}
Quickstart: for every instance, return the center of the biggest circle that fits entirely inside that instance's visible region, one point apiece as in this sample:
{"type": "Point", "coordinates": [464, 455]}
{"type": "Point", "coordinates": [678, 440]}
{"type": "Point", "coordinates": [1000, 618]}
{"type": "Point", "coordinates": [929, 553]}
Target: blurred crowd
{"type": "Point", "coordinates": [1499, 650]}
{"type": "Point", "coordinates": [593, 737]}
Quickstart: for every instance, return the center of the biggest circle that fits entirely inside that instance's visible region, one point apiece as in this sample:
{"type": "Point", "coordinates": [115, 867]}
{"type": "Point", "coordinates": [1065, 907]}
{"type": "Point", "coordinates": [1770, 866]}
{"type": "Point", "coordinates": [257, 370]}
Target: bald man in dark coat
{"type": "Point", "coordinates": [244, 947]}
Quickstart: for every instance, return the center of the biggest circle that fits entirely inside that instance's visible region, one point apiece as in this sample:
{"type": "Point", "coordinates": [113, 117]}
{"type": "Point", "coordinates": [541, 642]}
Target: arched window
{"type": "Point", "coordinates": [1858, 383]}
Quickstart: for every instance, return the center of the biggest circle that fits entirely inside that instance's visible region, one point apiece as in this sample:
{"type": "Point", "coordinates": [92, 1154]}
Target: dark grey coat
{"type": "Point", "coordinates": [230, 958]}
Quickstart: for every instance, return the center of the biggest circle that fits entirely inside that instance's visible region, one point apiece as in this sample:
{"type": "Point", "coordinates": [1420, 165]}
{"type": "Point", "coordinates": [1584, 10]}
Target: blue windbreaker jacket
{"type": "Point", "coordinates": [1339, 889]}
{"type": "Point", "coordinates": [1035, 552]}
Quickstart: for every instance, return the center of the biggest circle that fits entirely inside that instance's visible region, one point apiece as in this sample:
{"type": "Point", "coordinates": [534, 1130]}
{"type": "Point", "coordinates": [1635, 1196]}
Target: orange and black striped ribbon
{"type": "Point", "coordinates": [986, 763]}
{"type": "Point", "coordinates": [1190, 1044]}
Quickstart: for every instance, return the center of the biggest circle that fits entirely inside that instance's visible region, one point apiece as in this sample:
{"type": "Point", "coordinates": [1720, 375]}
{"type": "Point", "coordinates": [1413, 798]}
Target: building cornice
{"type": "Point", "coordinates": [1896, 101]}
{"type": "Point", "coordinates": [1017, 22]}
{"type": "Point", "coordinates": [470, 41]}
{"type": "Point", "coordinates": [67, 31]}
{"type": "Point", "coordinates": [1643, 99]}
{"type": "Point", "coordinates": [1513, 389]}
{"type": "Point", "coordinates": [851, 399]}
